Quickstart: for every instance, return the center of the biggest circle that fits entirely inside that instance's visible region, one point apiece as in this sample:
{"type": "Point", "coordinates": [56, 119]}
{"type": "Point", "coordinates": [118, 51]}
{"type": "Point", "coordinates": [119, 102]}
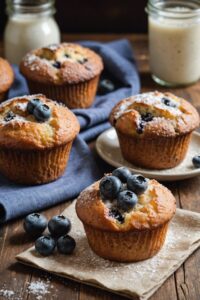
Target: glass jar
{"type": "Point", "coordinates": [174, 41]}
{"type": "Point", "coordinates": [30, 25]}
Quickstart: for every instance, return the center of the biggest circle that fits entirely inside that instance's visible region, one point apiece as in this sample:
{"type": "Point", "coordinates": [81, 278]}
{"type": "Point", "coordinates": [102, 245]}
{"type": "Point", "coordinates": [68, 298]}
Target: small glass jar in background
{"type": "Point", "coordinates": [174, 41]}
{"type": "Point", "coordinates": [30, 25]}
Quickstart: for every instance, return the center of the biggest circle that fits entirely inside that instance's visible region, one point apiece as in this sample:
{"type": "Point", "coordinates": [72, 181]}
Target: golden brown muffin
{"type": "Point", "coordinates": [66, 72]}
{"type": "Point", "coordinates": [32, 150]}
{"type": "Point", "coordinates": [154, 129]}
{"type": "Point", "coordinates": [126, 236]}
{"type": "Point", "coordinates": [6, 78]}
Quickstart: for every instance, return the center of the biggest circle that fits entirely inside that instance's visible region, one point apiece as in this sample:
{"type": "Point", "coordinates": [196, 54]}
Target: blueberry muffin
{"type": "Point", "coordinates": [125, 216]}
{"type": "Point", "coordinates": [36, 136]}
{"type": "Point", "coordinates": [154, 129]}
{"type": "Point", "coordinates": [6, 78]}
{"type": "Point", "coordinates": [66, 72]}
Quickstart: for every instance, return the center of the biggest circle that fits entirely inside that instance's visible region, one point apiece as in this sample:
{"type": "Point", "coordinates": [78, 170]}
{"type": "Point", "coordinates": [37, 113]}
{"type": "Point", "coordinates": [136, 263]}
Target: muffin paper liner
{"type": "Point", "coordinates": [80, 95]}
{"type": "Point", "coordinates": [155, 153]}
{"type": "Point", "coordinates": [34, 166]}
{"type": "Point", "coordinates": [126, 246]}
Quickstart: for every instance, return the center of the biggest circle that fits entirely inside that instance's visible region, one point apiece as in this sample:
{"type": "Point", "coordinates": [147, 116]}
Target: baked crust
{"type": "Point", "coordinates": [77, 64]}
{"type": "Point", "coordinates": [24, 132]}
{"type": "Point", "coordinates": [156, 207]}
{"type": "Point", "coordinates": [167, 121]}
{"type": "Point", "coordinates": [6, 75]}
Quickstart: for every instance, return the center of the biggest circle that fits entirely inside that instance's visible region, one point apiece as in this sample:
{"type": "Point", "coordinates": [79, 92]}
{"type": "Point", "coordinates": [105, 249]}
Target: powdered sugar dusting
{"type": "Point", "coordinates": [18, 108]}
{"type": "Point", "coordinates": [53, 47]}
{"type": "Point", "coordinates": [150, 99]}
{"type": "Point", "coordinates": [7, 294]}
{"type": "Point", "coordinates": [39, 289]}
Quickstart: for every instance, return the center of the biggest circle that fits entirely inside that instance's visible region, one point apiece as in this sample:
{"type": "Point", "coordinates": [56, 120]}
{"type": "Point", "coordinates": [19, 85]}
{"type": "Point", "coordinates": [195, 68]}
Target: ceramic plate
{"type": "Point", "coordinates": [107, 146]}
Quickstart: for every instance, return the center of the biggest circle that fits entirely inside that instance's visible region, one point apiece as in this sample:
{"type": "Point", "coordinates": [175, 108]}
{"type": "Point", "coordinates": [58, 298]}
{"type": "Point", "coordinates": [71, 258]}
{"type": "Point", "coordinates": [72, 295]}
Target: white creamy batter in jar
{"type": "Point", "coordinates": [174, 41]}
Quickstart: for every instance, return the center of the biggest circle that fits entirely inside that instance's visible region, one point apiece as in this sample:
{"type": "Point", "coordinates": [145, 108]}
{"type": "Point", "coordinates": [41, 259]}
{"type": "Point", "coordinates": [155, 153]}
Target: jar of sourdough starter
{"type": "Point", "coordinates": [174, 41]}
{"type": "Point", "coordinates": [30, 25]}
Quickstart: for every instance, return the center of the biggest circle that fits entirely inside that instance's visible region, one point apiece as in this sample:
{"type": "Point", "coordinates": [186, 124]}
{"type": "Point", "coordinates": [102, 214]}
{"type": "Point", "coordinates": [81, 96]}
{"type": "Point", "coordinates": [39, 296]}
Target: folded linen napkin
{"type": "Point", "coordinates": [134, 280]}
{"type": "Point", "coordinates": [18, 200]}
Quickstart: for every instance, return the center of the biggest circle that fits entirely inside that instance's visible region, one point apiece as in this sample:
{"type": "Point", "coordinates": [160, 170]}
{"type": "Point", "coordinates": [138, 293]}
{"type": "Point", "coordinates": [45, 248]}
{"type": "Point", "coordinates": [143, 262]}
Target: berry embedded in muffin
{"type": "Point", "coordinates": [66, 72]}
{"type": "Point", "coordinates": [126, 220]}
{"type": "Point", "coordinates": [36, 136]}
{"type": "Point", "coordinates": [154, 129]}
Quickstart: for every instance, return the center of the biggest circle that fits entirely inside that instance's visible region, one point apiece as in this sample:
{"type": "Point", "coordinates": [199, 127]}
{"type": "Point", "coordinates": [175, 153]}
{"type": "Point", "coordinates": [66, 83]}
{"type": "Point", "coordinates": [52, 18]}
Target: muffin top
{"type": "Point", "coordinates": [154, 114]}
{"type": "Point", "coordinates": [6, 75]}
{"type": "Point", "coordinates": [35, 122]}
{"type": "Point", "coordinates": [127, 210]}
{"type": "Point", "coordinates": [61, 64]}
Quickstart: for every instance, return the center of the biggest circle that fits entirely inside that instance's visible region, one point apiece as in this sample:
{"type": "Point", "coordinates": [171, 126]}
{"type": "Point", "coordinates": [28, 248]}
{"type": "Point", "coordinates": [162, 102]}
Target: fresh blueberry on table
{"type": "Point", "coordinates": [137, 184]}
{"type": "Point", "coordinates": [122, 173]}
{"type": "Point", "coordinates": [59, 225]}
{"type": "Point", "coordinates": [105, 86]}
{"type": "Point", "coordinates": [9, 116]}
{"type": "Point", "coordinates": [45, 245]}
{"type": "Point", "coordinates": [109, 187]}
{"type": "Point", "coordinates": [32, 104]}
{"type": "Point", "coordinates": [196, 161]}
{"type": "Point", "coordinates": [42, 112]}
{"type": "Point", "coordinates": [66, 244]}
{"type": "Point", "coordinates": [126, 200]}
{"type": "Point", "coordinates": [35, 224]}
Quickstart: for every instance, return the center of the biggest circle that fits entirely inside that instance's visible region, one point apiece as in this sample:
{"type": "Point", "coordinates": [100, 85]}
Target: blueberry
{"type": "Point", "coordinates": [109, 187]}
{"type": "Point", "coordinates": [9, 116]}
{"type": "Point", "coordinates": [66, 244]}
{"type": "Point", "coordinates": [42, 112]}
{"type": "Point", "coordinates": [137, 184]}
{"type": "Point", "coordinates": [35, 224]}
{"type": "Point", "coordinates": [126, 200]}
{"type": "Point", "coordinates": [32, 104]}
{"type": "Point", "coordinates": [45, 245]}
{"type": "Point", "coordinates": [147, 117]}
{"type": "Point", "coordinates": [114, 213]}
{"type": "Point", "coordinates": [122, 173]}
{"type": "Point", "coordinates": [57, 65]}
{"type": "Point", "coordinates": [105, 86]}
{"type": "Point", "coordinates": [168, 102]}
{"type": "Point", "coordinates": [82, 61]}
{"type": "Point", "coordinates": [144, 119]}
{"type": "Point", "coordinates": [196, 161]}
{"type": "Point", "coordinates": [59, 225]}
{"type": "Point", "coordinates": [140, 127]}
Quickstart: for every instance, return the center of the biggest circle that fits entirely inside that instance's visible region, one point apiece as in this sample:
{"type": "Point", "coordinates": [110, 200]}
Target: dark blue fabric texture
{"type": "Point", "coordinates": [18, 200]}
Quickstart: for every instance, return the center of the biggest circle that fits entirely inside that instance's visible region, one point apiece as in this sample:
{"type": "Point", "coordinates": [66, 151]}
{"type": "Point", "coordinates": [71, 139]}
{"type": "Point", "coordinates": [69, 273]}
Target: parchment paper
{"type": "Point", "coordinates": [134, 280]}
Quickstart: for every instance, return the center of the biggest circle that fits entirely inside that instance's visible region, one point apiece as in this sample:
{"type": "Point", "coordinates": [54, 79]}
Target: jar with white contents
{"type": "Point", "coordinates": [174, 41]}
{"type": "Point", "coordinates": [30, 25]}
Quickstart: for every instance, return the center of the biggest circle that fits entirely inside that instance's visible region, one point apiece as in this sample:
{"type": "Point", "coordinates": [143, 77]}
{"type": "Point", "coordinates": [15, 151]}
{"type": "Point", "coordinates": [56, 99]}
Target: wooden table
{"type": "Point", "coordinates": [184, 284]}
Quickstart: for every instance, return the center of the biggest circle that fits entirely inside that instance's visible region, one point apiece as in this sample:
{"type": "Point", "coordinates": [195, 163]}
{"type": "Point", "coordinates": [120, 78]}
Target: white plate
{"type": "Point", "coordinates": [107, 146]}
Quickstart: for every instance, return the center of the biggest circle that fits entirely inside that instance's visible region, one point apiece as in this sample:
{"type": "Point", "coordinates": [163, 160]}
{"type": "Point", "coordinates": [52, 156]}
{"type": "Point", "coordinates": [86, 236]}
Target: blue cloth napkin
{"type": "Point", "coordinates": [18, 200]}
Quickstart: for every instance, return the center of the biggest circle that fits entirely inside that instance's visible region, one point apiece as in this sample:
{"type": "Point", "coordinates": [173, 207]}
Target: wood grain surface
{"type": "Point", "coordinates": [184, 284]}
